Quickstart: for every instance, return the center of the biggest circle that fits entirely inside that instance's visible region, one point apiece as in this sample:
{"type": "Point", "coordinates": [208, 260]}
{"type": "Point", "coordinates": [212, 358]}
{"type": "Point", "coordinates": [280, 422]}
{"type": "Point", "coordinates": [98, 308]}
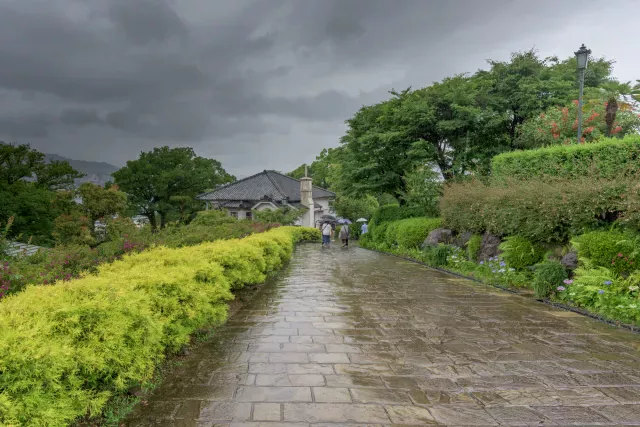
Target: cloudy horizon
{"type": "Point", "coordinates": [257, 84]}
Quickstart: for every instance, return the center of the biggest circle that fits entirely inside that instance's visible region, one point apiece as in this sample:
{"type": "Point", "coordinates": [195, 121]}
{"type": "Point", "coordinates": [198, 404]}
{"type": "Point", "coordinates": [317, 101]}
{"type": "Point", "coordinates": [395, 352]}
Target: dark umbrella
{"type": "Point", "coordinates": [328, 217]}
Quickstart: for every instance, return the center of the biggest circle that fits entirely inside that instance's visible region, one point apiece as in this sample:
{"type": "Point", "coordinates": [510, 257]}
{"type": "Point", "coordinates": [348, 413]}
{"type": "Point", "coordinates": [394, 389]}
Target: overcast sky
{"type": "Point", "coordinates": [258, 84]}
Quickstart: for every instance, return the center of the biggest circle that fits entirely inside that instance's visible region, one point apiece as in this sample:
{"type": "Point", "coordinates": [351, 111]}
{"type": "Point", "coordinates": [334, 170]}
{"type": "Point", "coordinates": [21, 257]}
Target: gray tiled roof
{"type": "Point", "coordinates": [264, 185]}
{"type": "Point", "coordinates": [19, 249]}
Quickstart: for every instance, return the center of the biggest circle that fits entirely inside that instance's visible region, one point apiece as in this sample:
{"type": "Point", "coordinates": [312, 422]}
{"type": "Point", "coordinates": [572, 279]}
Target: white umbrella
{"type": "Point", "coordinates": [361, 220]}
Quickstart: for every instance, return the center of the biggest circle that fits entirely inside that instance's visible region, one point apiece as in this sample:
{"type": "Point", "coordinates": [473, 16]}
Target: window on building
{"type": "Point", "coordinates": [248, 215]}
{"type": "Point", "coordinates": [234, 214]}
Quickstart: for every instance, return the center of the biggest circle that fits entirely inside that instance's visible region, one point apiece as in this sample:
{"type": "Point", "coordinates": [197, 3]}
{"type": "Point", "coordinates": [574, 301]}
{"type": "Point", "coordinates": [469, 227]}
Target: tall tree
{"type": "Point", "coordinates": [153, 181]}
{"type": "Point", "coordinates": [98, 202]}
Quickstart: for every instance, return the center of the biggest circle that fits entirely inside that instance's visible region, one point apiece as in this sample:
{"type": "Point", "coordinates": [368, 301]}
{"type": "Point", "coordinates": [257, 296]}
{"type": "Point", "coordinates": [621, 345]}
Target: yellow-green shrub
{"type": "Point", "coordinates": [66, 349]}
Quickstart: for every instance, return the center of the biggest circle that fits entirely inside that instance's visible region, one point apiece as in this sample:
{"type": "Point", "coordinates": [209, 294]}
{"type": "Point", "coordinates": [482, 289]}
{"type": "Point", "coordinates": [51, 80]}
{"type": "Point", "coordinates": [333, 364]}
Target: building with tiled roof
{"type": "Point", "coordinates": [269, 190]}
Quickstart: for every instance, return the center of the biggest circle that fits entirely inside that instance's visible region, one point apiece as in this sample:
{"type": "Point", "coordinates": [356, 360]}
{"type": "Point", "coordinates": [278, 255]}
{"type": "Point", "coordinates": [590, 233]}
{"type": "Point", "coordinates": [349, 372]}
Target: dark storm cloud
{"type": "Point", "coordinates": [258, 83]}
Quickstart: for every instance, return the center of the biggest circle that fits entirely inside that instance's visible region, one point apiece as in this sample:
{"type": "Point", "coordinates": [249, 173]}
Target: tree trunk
{"type": "Point", "coordinates": [163, 219]}
{"type": "Point", "coordinates": [152, 220]}
{"type": "Point", "coordinates": [610, 118]}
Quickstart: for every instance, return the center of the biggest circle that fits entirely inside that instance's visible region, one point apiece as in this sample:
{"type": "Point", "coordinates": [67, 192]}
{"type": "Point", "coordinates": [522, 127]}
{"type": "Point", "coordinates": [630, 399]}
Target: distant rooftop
{"type": "Point", "coordinates": [270, 185]}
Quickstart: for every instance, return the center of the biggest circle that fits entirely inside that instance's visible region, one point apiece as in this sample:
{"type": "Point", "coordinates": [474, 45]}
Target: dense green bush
{"type": "Point", "coordinates": [520, 253]}
{"type": "Point", "coordinates": [66, 349]}
{"type": "Point", "coordinates": [548, 277]}
{"type": "Point", "coordinates": [473, 247]}
{"type": "Point", "coordinates": [389, 213]}
{"type": "Point", "coordinates": [212, 217]}
{"type": "Point", "coordinates": [616, 250]}
{"type": "Point", "coordinates": [539, 211]}
{"type": "Point", "coordinates": [412, 232]}
{"type": "Point", "coordinates": [608, 159]}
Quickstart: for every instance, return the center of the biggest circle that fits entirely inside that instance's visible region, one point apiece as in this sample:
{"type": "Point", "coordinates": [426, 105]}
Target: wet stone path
{"type": "Point", "coordinates": [356, 338]}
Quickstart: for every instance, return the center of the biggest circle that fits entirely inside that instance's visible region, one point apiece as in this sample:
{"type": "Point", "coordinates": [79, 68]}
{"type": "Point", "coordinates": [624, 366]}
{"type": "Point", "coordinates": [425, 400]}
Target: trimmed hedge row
{"type": "Point", "coordinates": [389, 213]}
{"type": "Point", "coordinates": [607, 159]}
{"type": "Point", "coordinates": [66, 349]}
{"type": "Point", "coordinates": [540, 211]}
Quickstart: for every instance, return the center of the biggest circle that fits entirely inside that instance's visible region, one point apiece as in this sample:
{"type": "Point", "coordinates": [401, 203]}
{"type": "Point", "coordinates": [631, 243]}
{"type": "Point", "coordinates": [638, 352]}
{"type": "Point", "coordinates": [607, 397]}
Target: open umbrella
{"type": "Point", "coordinates": [361, 220]}
{"type": "Point", "coordinates": [344, 221]}
{"type": "Point", "coordinates": [328, 217]}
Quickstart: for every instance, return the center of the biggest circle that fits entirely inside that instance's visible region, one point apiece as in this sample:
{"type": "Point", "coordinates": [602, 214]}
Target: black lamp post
{"type": "Point", "coordinates": [582, 55]}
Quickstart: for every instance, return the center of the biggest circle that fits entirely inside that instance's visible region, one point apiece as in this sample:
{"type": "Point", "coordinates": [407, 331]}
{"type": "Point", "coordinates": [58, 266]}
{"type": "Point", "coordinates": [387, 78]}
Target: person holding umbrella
{"type": "Point", "coordinates": [365, 227]}
{"type": "Point", "coordinates": [344, 232]}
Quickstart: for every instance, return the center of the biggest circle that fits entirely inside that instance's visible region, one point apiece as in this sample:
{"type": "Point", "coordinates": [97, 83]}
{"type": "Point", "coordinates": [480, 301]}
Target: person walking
{"type": "Point", "coordinates": [344, 235]}
{"type": "Point", "coordinates": [364, 228]}
{"type": "Point", "coordinates": [327, 229]}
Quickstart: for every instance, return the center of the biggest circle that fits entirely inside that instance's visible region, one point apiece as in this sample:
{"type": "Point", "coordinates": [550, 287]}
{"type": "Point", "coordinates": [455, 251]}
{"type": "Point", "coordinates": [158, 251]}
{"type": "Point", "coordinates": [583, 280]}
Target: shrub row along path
{"type": "Point", "coordinates": [356, 338]}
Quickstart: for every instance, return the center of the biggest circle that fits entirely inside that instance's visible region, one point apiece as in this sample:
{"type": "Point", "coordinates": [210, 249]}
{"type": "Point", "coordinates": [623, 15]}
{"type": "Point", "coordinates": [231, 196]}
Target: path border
{"type": "Point", "coordinates": [631, 328]}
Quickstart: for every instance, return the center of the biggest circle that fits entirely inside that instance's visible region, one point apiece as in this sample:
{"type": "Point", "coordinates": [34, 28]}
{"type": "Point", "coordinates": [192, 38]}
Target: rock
{"type": "Point", "coordinates": [136, 391]}
{"type": "Point", "coordinates": [184, 351]}
{"type": "Point", "coordinates": [570, 261]}
{"type": "Point", "coordinates": [437, 236]}
{"type": "Point", "coordinates": [462, 239]}
{"type": "Point", "coordinates": [489, 247]}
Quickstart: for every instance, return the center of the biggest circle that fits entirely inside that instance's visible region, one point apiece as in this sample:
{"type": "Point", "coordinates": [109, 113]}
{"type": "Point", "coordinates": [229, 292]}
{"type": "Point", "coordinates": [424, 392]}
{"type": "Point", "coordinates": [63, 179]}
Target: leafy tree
{"type": "Point", "coordinates": [354, 208]}
{"type": "Point", "coordinates": [98, 202]}
{"type": "Point", "coordinates": [154, 180]}
{"type": "Point", "coordinates": [73, 228]}
{"type": "Point", "coordinates": [319, 169]}
{"type": "Point", "coordinates": [20, 162]}
{"type": "Point", "coordinates": [424, 189]}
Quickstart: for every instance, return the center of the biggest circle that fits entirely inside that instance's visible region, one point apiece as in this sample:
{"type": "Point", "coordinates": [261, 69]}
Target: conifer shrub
{"type": "Point", "coordinates": [66, 349]}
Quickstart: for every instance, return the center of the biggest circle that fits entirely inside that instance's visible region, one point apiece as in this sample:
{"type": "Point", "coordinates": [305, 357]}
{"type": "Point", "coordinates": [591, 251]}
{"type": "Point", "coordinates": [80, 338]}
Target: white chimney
{"type": "Point", "coordinates": [306, 199]}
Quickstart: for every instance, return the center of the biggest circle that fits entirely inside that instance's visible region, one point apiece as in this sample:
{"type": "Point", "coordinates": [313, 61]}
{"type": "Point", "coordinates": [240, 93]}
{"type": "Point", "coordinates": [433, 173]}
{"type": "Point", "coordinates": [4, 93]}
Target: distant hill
{"type": "Point", "coordinates": [96, 172]}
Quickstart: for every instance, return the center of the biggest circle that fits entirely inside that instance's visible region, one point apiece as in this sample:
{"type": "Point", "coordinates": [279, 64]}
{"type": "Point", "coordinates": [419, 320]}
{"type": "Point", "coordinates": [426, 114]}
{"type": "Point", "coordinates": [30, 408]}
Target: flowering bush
{"type": "Point", "coordinates": [559, 125]}
{"type": "Point", "coordinates": [615, 250]}
{"type": "Point", "coordinates": [604, 292]}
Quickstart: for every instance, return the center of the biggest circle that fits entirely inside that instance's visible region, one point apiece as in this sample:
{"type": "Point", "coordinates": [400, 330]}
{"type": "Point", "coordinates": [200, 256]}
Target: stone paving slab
{"type": "Point", "coordinates": [352, 338]}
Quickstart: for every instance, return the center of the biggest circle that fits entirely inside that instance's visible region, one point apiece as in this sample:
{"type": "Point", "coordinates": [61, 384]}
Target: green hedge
{"type": "Point", "coordinates": [389, 213]}
{"type": "Point", "coordinates": [607, 159]}
{"type": "Point", "coordinates": [66, 349]}
{"type": "Point", "coordinates": [539, 211]}
{"type": "Point", "coordinates": [407, 233]}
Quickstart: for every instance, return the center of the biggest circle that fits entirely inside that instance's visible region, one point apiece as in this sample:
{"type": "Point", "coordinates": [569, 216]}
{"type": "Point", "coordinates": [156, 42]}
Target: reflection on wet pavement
{"type": "Point", "coordinates": [356, 338]}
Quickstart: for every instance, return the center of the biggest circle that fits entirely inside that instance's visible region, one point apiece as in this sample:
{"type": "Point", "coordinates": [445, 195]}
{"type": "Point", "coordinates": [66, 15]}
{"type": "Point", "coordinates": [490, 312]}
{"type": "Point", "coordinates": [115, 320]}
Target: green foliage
{"type": "Point", "coordinates": [412, 232]}
{"type": "Point", "coordinates": [100, 203]}
{"type": "Point", "coordinates": [473, 247]}
{"type": "Point", "coordinates": [423, 189]}
{"type": "Point", "coordinates": [154, 181]}
{"type": "Point", "coordinates": [19, 162]}
{"type": "Point", "coordinates": [519, 252]}
{"type": "Point", "coordinates": [355, 208]}
{"type": "Point", "coordinates": [608, 158]}
{"type": "Point", "coordinates": [547, 277]}
{"type": "Point", "coordinates": [616, 250]}
{"type": "Point", "coordinates": [74, 228]}
{"type": "Point", "coordinates": [320, 169]}
{"type": "Point", "coordinates": [437, 256]}
{"type": "Point", "coordinates": [388, 213]}
{"type": "Point", "coordinates": [602, 291]}
{"type": "Point", "coordinates": [67, 349]}
{"type": "Point", "coordinates": [284, 215]}
{"type": "Point", "coordinates": [212, 217]}
{"type": "Point", "coordinates": [539, 211]}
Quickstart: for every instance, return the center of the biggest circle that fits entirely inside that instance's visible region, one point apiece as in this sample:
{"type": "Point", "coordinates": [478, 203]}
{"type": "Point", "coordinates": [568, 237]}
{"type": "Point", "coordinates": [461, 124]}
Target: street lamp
{"type": "Point", "coordinates": [582, 55]}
